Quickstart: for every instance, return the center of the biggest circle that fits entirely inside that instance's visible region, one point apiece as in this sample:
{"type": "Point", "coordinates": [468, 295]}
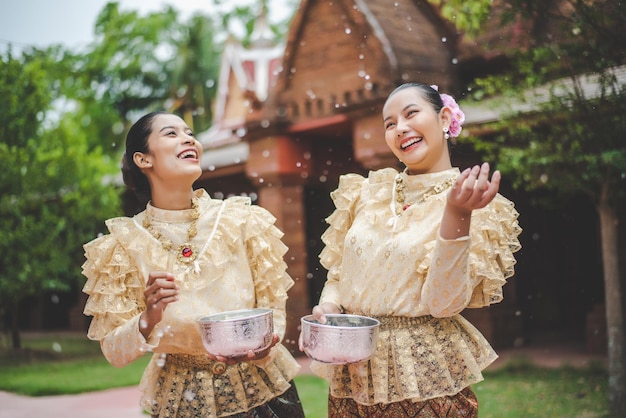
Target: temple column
{"type": "Point", "coordinates": [278, 167]}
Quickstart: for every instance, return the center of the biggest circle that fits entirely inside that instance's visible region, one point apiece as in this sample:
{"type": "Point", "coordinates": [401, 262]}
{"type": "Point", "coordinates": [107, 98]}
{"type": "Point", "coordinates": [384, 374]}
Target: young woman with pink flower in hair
{"type": "Point", "coordinates": [414, 249]}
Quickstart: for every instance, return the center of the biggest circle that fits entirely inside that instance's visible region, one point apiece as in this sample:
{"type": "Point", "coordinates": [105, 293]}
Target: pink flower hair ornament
{"type": "Point", "coordinates": [458, 117]}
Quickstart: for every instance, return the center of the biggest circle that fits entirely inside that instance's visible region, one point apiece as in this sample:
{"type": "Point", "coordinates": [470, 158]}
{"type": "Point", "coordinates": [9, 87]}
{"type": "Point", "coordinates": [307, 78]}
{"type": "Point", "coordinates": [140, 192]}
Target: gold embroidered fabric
{"type": "Point", "coordinates": [240, 266]}
{"type": "Point", "coordinates": [384, 265]}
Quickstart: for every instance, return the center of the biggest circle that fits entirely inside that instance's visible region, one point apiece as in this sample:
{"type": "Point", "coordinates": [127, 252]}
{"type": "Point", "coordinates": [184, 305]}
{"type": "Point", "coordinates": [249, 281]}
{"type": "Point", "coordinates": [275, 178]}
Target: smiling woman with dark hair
{"type": "Point", "coordinates": [414, 249]}
{"type": "Point", "coordinates": [187, 256]}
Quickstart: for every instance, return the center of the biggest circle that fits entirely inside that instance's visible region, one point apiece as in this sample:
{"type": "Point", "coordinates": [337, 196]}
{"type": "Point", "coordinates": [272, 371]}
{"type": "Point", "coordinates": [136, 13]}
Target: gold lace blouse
{"type": "Point", "coordinates": [240, 266]}
{"type": "Point", "coordinates": [385, 265]}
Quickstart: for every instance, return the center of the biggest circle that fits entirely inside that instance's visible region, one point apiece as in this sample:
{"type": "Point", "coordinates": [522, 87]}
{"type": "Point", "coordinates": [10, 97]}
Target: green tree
{"type": "Point", "coordinates": [52, 185]}
{"type": "Point", "coordinates": [125, 72]}
{"type": "Point", "coordinates": [570, 137]}
{"type": "Point", "coordinates": [194, 73]}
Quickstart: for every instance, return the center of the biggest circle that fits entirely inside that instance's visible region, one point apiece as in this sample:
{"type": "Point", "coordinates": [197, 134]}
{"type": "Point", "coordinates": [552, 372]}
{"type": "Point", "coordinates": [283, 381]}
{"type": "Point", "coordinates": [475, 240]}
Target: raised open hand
{"type": "Point", "coordinates": [473, 190]}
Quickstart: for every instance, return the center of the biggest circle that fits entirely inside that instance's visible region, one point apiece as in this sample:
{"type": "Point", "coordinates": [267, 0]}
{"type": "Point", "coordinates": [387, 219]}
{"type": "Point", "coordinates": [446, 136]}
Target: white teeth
{"type": "Point", "coordinates": [187, 154]}
{"type": "Point", "coordinates": [410, 142]}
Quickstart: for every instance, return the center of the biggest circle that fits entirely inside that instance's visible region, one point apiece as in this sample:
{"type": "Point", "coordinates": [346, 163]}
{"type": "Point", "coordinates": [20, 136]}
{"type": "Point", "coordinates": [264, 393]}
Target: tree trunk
{"type": "Point", "coordinates": [614, 312]}
{"type": "Point", "coordinates": [15, 325]}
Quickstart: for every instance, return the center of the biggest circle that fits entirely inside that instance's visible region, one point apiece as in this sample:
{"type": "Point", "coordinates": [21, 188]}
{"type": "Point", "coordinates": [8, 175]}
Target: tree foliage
{"type": "Point", "coordinates": [51, 181]}
{"type": "Point", "coordinates": [572, 141]}
{"type": "Point", "coordinates": [467, 16]}
{"type": "Point", "coordinates": [570, 79]}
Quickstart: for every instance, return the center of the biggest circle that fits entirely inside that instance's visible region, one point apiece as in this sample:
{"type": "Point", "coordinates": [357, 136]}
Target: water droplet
{"type": "Point", "coordinates": [323, 179]}
{"type": "Point", "coordinates": [455, 61]}
{"type": "Point", "coordinates": [265, 123]}
{"type": "Point", "coordinates": [309, 275]}
{"type": "Point", "coordinates": [211, 167]}
{"type": "Point", "coordinates": [298, 164]}
{"type": "Point", "coordinates": [160, 362]}
{"type": "Point", "coordinates": [348, 31]}
{"type": "Point", "coordinates": [143, 324]}
{"type": "Point", "coordinates": [241, 132]}
{"type": "Point", "coordinates": [56, 347]}
{"type": "Point", "coordinates": [54, 298]}
{"type": "Point", "coordinates": [444, 39]}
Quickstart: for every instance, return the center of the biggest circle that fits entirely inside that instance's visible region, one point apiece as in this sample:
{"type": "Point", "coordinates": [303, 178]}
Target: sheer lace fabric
{"type": "Point", "coordinates": [384, 265]}
{"type": "Point", "coordinates": [240, 266]}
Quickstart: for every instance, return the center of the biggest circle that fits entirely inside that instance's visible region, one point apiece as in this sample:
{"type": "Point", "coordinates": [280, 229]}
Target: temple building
{"type": "Point", "coordinates": [290, 119]}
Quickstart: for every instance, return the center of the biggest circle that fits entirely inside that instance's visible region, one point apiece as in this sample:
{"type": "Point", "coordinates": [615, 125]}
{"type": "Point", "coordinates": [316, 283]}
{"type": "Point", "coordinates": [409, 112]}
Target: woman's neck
{"type": "Point", "coordinates": [178, 199]}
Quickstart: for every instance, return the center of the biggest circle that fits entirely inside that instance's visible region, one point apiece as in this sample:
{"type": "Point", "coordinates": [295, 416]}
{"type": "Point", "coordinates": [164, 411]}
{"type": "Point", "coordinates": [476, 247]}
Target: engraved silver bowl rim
{"type": "Point", "coordinates": [358, 325]}
{"type": "Point", "coordinates": [217, 330]}
{"type": "Point", "coordinates": [368, 322]}
{"type": "Point", "coordinates": [235, 315]}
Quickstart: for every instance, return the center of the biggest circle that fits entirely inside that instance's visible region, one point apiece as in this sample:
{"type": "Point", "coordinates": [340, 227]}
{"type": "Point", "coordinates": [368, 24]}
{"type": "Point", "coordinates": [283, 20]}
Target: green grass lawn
{"type": "Point", "coordinates": [54, 364]}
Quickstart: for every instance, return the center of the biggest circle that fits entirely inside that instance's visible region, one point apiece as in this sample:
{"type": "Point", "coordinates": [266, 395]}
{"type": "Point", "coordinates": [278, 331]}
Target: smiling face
{"type": "Point", "coordinates": [173, 155]}
{"type": "Point", "coordinates": [414, 131]}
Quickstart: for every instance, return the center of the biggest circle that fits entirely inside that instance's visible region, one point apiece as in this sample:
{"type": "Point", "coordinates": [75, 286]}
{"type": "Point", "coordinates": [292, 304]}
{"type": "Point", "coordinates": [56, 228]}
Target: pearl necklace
{"type": "Point", "coordinates": [186, 253]}
{"type": "Point", "coordinates": [398, 200]}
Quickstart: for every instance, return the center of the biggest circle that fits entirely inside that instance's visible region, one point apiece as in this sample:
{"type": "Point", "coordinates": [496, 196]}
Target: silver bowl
{"type": "Point", "coordinates": [343, 339]}
{"type": "Point", "coordinates": [234, 333]}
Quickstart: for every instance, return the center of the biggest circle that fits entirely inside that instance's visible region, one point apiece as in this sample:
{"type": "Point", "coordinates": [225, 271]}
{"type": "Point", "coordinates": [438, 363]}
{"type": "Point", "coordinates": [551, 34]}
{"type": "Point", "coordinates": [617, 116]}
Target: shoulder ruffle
{"type": "Point", "coordinates": [345, 197]}
{"type": "Point", "coordinates": [495, 230]}
{"type": "Point", "coordinates": [113, 284]}
{"type": "Point", "coordinates": [267, 251]}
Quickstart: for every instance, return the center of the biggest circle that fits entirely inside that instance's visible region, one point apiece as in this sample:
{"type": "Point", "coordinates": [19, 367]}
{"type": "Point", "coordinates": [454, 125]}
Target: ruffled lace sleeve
{"type": "Point", "coordinates": [266, 253]}
{"type": "Point", "coordinates": [345, 198]}
{"type": "Point", "coordinates": [115, 298]}
{"type": "Point", "coordinates": [494, 240]}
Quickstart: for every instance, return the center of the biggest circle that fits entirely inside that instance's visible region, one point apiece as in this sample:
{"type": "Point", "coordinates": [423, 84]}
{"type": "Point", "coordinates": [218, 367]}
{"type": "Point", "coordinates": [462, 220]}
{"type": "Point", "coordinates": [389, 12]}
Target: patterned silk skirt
{"type": "Point", "coordinates": [462, 405]}
{"type": "Point", "coordinates": [195, 386]}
